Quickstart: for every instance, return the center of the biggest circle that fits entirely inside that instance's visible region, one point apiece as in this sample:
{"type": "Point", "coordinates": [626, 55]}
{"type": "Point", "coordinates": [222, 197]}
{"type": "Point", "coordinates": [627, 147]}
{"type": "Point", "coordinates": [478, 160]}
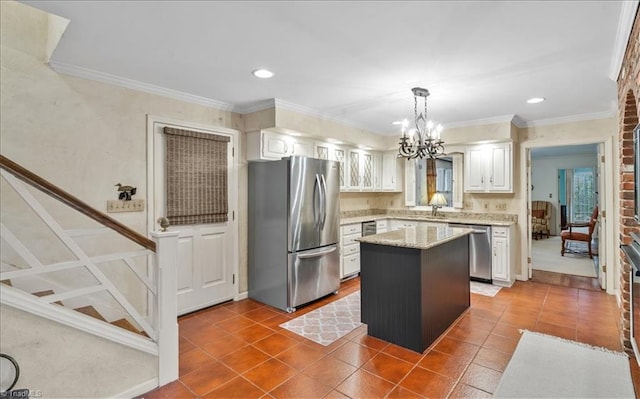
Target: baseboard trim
{"type": "Point", "coordinates": [241, 295]}
{"type": "Point", "coordinates": [139, 389]}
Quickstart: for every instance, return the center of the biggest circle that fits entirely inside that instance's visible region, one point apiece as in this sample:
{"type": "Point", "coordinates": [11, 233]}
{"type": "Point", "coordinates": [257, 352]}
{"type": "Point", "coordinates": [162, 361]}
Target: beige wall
{"type": "Point", "coordinates": [57, 361]}
{"type": "Point", "coordinates": [86, 136]}
{"type": "Point", "coordinates": [486, 132]}
{"type": "Point", "coordinates": [319, 127]}
{"type": "Point", "coordinates": [82, 135]}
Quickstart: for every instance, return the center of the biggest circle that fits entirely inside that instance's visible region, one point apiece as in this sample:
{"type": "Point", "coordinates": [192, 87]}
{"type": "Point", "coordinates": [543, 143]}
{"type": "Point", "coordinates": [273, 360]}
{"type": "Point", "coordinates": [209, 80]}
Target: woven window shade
{"type": "Point", "coordinates": [196, 177]}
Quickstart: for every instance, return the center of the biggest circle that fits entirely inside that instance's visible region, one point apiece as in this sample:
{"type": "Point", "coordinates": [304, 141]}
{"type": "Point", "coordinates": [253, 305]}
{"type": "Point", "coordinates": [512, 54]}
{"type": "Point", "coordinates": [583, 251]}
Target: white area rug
{"type": "Point", "coordinates": [483, 289]}
{"type": "Point", "coordinates": [330, 322]}
{"type": "Point", "coordinates": [545, 255]}
{"type": "Point", "coordinates": [543, 366]}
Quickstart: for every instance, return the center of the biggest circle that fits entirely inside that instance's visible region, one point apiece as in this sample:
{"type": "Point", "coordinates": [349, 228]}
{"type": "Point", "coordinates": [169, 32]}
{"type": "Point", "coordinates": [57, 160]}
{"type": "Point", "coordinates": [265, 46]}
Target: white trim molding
{"type": "Point", "coordinates": [103, 77]}
{"type": "Point", "coordinates": [572, 118]}
{"type": "Point", "coordinates": [255, 107]}
{"type": "Point", "coordinates": [625, 24]}
{"type": "Point", "coordinates": [515, 119]}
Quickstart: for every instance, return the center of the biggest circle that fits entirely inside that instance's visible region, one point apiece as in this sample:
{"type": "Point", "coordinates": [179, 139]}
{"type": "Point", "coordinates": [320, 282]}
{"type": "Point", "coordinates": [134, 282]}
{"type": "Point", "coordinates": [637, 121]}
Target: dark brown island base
{"type": "Point", "coordinates": [414, 283]}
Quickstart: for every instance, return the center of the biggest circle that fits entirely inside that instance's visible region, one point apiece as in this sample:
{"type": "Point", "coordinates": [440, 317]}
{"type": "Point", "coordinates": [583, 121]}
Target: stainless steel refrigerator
{"type": "Point", "coordinates": [294, 212]}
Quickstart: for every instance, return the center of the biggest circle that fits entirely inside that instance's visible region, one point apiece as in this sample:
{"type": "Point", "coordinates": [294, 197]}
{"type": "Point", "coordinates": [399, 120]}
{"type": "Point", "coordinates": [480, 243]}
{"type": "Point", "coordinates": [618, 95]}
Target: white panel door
{"type": "Point", "coordinates": [206, 252]}
{"type": "Point", "coordinates": [601, 226]}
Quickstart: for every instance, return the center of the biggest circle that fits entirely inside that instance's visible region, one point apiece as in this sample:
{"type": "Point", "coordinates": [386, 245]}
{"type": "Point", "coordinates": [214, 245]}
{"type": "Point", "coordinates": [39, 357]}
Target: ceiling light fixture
{"type": "Point", "coordinates": [535, 100]}
{"type": "Point", "coordinates": [425, 139]}
{"type": "Point", "coordinates": [262, 73]}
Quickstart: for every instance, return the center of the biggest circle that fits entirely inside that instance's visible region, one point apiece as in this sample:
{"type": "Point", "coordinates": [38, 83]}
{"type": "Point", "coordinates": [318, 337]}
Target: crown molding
{"type": "Point", "coordinates": [281, 104]}
{"type": "Point", "coordinates": [572, 118]}
{"type": "Point", "coordinates": [255, 107]}
{"type": "Point", "coordinates": [625, 24]}
{"type": "Point", "coordinates": [103, 77]}
{"type": "Point", "coordinates": [516, 120]}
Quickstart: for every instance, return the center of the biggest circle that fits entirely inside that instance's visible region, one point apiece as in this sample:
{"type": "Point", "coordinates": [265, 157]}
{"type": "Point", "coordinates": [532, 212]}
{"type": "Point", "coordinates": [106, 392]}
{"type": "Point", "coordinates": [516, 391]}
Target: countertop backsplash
{"type": "Point", "coordinates": [442, 215]}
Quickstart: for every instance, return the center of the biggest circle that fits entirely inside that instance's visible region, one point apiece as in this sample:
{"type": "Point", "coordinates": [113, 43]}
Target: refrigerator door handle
{"type": "Point", "coordinates": [315, 254]}
{"type": "Point", "coordinates": [317, 195]}
{"type": "Point", "coordinates": [324, 201]}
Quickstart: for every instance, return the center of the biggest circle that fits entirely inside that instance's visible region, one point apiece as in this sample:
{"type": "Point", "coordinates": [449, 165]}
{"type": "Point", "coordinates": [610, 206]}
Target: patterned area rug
{"type": "Point", "coordinates": [483, 289]}
{"type": "Point", "coordinates": [337, 319]}
{"type": "Point", "coordinates": [330, 322]}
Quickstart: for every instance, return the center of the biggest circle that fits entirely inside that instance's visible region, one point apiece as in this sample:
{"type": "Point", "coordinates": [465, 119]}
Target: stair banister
{"type": "Point", "coordinates": [56, 192]}
{"type": "Point", "coordinates": [164, 245]}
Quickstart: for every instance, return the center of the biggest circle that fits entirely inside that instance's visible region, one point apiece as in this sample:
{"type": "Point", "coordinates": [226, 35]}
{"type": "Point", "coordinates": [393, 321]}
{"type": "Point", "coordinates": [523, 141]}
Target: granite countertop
{"type": "Point", "coordinates": [439, 219]}
{"type": "Point", "coordinates": [419, 237]}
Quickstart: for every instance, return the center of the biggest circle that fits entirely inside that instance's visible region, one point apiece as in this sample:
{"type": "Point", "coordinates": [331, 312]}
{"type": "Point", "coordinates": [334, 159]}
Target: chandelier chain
{"type": "Point", "coordinates": [425, 140]}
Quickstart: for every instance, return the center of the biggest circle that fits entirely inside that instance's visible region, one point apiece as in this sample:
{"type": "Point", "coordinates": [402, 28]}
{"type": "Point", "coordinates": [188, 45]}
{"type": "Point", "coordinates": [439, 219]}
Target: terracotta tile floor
{"type": "Point", "coordinates": [237, 350]}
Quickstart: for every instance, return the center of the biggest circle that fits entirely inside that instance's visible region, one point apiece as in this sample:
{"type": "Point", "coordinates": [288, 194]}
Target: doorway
{"type": "Point", "coordinates": [566, 179]}
{"type": "Point", "coordinates": [207, 252]}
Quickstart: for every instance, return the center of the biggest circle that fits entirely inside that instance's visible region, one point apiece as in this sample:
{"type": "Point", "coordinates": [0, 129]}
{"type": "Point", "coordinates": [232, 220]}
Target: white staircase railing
{"type": "Point", "coordinates": [153, 267]}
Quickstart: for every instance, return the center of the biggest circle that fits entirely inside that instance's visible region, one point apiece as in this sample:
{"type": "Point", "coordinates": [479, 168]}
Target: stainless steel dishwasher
{"type": "Point", "coordinates": [479, 251]}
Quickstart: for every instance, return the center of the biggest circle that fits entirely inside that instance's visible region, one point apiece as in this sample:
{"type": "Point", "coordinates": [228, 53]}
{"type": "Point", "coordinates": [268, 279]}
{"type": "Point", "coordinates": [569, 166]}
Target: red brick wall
{"type": "Point", "coordinates": [628, 95]}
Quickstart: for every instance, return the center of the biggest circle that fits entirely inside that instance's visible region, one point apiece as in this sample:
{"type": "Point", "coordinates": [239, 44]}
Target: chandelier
{"type": "Point", "coordinates": [425, 139]}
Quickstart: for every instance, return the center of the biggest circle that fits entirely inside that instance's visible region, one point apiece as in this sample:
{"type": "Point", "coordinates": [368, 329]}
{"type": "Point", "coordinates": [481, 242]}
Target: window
{"type": "Point", "coordinates": [577, 193]}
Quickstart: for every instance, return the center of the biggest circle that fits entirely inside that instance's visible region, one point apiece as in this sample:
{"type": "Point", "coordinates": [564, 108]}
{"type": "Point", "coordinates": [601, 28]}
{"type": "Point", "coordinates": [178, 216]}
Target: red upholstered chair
{"type": "Point", "coordinates": [578, 236]}
{"type": "Point", "coordinates": [540, 218]}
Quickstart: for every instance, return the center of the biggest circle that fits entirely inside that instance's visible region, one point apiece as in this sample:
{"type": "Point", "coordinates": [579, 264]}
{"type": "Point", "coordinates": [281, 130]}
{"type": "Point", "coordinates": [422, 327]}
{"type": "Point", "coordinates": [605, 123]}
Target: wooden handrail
{"type": "Point", "coordinates": [56, 192]}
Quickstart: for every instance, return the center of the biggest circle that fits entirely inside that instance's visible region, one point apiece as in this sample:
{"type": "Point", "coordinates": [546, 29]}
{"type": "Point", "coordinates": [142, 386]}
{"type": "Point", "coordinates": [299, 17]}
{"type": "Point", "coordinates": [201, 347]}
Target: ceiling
{"type": "Point", "coordinates": [356, 61]}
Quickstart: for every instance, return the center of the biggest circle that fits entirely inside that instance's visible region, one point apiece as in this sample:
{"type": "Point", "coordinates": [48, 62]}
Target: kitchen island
{"type": "Point", "coordinates": [414, 283]}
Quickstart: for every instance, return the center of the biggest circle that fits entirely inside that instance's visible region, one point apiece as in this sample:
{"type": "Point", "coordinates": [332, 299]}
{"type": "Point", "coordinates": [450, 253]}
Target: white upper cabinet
{"type": "Point", "coordinates": [377, 171]}
{"type": "Point", "coordinates": [332, 152]}
{"type": "Point", "coordinates": [457, 189]}
{"type": "Point", "coordinates": [488, 168]}
{"type": "Point", "coordinates": [266, 145]}
{"type": "Point", "coordinates": [392, 171]}
{"type": "Point", "coordinates": [360, 171]}
{"type": "Point", "coordinates": [410, 182]}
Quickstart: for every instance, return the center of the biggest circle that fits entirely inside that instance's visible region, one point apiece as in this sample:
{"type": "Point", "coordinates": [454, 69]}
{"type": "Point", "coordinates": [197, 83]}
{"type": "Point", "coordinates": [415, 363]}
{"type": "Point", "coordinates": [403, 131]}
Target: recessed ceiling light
{"type": "Point", "coordinates": [262, 73]}
{"type": "Point", "coordinates": [535, 100]}
{"type": "Point", "coordinates": [396, 123]}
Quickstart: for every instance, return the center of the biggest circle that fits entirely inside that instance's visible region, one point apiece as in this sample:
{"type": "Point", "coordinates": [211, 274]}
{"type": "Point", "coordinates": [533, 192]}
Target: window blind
{"type": "Point", "coordinates": [196, 177]}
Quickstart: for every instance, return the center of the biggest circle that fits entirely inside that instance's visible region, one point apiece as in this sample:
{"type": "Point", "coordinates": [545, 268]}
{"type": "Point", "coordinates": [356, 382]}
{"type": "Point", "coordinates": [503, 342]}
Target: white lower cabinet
{"type": "Point", "coordinates": [350, 249]}
{"type": "Point", "coordinates": [396, 224]}
{"type": "Point", "coordinates": [382, 226]}
{"type": "Point", "coordinates": [502, 252]}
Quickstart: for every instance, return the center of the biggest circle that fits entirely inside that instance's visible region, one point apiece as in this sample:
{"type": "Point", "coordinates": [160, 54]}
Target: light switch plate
{"type": "Point", "coordinates": [135, 205]}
